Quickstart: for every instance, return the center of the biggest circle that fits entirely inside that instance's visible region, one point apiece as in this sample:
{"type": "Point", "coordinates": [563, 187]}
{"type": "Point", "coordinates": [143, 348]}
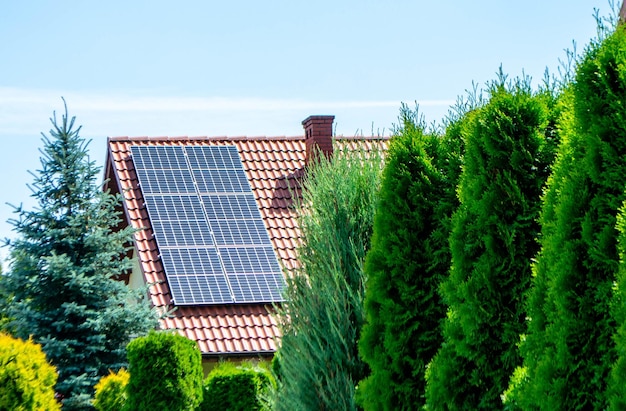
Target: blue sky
{"type": "Point", "coordinates": [256, 68]}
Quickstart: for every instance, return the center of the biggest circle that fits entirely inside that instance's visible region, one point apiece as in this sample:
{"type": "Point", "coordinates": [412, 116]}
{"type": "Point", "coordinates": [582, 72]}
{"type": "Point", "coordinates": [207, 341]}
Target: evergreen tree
{"type": "Point", "coordinates": [318, 363]}
{"type": "Point", "coordinates": [616, 387]}
{"type": "Point", "coordinates": [493, 240]}
{"type": "Point", "coordinates": [568, 350]}
{"type": "Point", "coordinates": [64, 268]}
{"type": "Point", "coordinates": [408, 260]}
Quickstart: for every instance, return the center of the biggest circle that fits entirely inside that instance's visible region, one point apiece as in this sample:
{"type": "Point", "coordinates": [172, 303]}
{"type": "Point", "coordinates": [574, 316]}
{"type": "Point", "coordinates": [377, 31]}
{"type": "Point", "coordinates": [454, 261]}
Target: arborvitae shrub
{"type": "Point", "coordinates": [111, 391]}
{"type": "Point", "coordinates": [236, 388]}
{"type": "Point", "coordinates": [492, 242]}
{"type": "Point", "coordinates": [569, 350]}
{"type": "Point", "coordinates": [617, 388]}
{"type": "Point", "coordinates": [26, 379]}
{"type": "Point", "coordinates": [165, 373]}
{"type": "Point", "coordinates": [408, 260]}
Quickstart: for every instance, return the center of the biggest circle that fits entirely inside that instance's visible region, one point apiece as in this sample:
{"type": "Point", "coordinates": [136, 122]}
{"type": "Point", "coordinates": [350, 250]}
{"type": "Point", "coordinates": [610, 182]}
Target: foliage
{"type": "Point", "coordinates": [507, 161]}
{"type": "Point", "coordinates": [63, 267]}
{"type": "Point", "coordinates": [236, 388]}
{"type": "Point", "coordinates": [616, 389]}
{"type": "Point", "coordinates": [26, 379]}
{"type": "Point", "coordinates": [408, 260]}
{"type": "Point", "coordinates": [568, 350]}
{"type": "Point", "coordinates": [165, 373]}
{"type": "Point", "coordinates": [319, 364]}
{"type": "Point", "coordinates": [4, 307]}
{"type": "Point", "coordinates": [111, 391]}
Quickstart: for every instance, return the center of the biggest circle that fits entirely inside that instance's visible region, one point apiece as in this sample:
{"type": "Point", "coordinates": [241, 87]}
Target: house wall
{"type": "Point", "coordinates": [136, 279]}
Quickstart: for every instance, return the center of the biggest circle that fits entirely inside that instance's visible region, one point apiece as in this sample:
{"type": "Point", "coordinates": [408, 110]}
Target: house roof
{"type": "Point", "coordinates": [273, 166]}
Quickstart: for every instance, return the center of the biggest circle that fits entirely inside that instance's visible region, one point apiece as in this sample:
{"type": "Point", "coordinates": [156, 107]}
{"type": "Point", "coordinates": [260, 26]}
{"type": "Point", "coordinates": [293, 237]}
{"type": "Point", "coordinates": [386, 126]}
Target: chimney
{"type": "Point", "coordinates": [318, 135]}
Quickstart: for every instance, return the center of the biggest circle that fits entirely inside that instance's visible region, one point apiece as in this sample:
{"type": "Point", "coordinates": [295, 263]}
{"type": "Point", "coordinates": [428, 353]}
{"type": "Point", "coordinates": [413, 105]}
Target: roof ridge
{"type": "Point", "coordinates": [234, 138]}
{"type": "Point", "coordinates": [207, 138]}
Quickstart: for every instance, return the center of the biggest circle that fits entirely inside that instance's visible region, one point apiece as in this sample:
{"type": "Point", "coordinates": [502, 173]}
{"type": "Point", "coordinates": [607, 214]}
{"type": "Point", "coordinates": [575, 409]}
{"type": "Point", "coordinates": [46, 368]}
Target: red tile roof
{"type": "Point", "coordinates": [273, 166]}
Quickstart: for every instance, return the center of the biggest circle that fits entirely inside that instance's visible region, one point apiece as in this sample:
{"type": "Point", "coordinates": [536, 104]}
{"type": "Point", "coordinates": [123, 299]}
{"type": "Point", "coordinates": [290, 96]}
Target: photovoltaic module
{"type": "Point", "coordinates": [212, 241]}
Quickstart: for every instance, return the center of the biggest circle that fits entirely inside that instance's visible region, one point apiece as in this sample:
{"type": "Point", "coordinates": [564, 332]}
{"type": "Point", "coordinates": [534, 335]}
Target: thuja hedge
{"type": "Point", "coordinates": [569, 348]}
{"type": "Point", "coordinates": [26, 379]}
{"type": "Point", "coordinates": [616, 392]}
{"type": "Point", "coordinates": [236, 387]}
{"type": "Point", "coordinates": [506, 163]}
{"type": "Point", "coordinates": [408, 259]}
{"type": "Point", "coordinates": [165, 373]}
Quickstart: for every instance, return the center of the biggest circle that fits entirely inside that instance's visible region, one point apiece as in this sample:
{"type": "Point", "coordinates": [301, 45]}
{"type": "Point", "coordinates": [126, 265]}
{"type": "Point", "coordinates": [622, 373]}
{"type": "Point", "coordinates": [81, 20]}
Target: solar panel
{"type": "Point", "coordinates": [213, 244]}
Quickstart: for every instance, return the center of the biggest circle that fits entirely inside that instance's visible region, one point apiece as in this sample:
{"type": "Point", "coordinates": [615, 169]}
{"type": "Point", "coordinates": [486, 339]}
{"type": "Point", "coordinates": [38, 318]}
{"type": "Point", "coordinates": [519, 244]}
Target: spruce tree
{"type": "Point", "coordinates": [65, 265]}
{"type": "Point", "coordinates": [408, 260]}
{"type": "Point", "coordinates": [318, 365]}
{"type": "Point", "coordinates": [493, 239]}
{"type": "Point", "coordinates": [568, 350]}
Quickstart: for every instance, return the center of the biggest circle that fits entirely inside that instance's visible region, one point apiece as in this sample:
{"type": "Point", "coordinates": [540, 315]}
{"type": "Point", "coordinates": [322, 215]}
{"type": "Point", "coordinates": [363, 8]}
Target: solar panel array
{"type": "Point", "coordinates": [208, 227]}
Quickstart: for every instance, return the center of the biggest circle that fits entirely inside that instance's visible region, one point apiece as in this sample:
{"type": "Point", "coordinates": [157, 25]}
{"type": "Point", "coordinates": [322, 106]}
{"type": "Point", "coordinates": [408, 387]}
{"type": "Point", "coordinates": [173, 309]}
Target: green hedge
{"type": "Point", "coordinates": [111, 391]}
{"type": "Point", "coordinates": [26, 379]}
{"type": "Point", "coordinates": [165, 373]}
{"type": "Point", "coordinates": [236, 387]}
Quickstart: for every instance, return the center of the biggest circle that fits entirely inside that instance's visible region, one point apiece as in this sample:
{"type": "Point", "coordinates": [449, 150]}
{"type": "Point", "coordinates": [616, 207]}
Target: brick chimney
{"type": "Point", "coordinates": [318, 134]}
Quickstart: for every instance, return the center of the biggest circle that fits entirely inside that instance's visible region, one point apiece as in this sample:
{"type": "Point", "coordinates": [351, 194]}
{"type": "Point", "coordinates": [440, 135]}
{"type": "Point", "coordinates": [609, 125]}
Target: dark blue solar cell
{"type": "Point", "coordinates": [174, 207]}
{"type": "Point", "coordinates": [166, 182]}
{"type": "Point", "coordinates": [199, 289]}
{"type": "Point", "coordinates": [187, 261]}
{"type": "Point", "coordinates": [231, 207]}
{"type": "Point", "coordinates": [257, 287]}
{"type": "Point", "coordinates": [249, 260]}
{"type": "Point", "coordinates": [221, 181]}
{"type": "Point", "coordinates": [180, 233]}
{"type": "Point", "coordinates": [239, 232]}
{"type": "Point", "coordinates": [159, 158]}
{"type": "Point", "coordinates": [213, 157]}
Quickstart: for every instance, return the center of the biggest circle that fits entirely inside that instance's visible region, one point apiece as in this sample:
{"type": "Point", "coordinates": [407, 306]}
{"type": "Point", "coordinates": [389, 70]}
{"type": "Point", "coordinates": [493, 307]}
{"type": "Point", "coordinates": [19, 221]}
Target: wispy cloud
{"type": "Point", "coordinates": [26, 112]}
{"type": "Point", "coordinates": [135, 102]}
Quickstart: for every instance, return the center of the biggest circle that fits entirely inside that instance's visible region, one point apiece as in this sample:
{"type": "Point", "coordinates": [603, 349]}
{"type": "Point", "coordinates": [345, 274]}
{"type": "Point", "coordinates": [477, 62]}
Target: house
{"type": "Point", "coordinates": [227, 313]}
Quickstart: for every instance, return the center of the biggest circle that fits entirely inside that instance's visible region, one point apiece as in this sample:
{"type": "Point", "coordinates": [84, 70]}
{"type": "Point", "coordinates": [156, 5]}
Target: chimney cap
{"type": "Point", "coordinates": [318, 119]}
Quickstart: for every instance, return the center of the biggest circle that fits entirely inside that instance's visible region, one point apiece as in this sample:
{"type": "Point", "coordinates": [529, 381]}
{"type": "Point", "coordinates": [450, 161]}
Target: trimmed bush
{"type": "Point", "coordinates": [236, 388]}
{"type": "Point", "coordinates": [569, 348]}
{"type": "Point", "coordinates": [111, 391]}
{"type": "Point", "coordinates": [493, 239]}
{"type": "Point", "coordinates": [26, 379]}
{"type": "Point", "coordinates": [165, 373]}
{"type": "Point", "coordinates": [408, 260]}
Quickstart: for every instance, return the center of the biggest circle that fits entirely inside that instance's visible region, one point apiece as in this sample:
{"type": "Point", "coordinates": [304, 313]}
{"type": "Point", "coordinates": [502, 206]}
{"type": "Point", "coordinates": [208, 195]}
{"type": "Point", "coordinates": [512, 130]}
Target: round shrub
{"type": "Point", "coordinates": [235, 388]}
{"type": "Point", "coordinates": [26, 379]}
{"type": "Point", "coordinates": [111, 391]}
{"type": "Point", "coordinates": [165, 373]}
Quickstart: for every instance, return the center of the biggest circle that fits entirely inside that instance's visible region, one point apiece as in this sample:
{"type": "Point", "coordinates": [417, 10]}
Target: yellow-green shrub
{"type": "Point", "coordinates": [111, 391]}
{"type": "Point", "coordinates": [26, 379]}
